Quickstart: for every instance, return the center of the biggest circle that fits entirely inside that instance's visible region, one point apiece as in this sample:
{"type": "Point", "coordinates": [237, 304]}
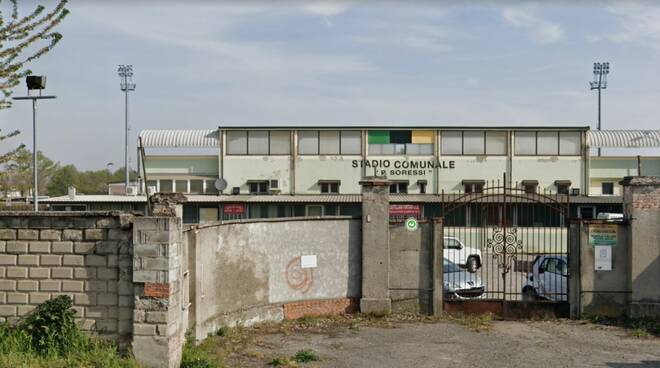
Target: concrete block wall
{"type": "Point", "coordinates": [87, 256]}
{"type": "Point", "coordinates": [161, 302]}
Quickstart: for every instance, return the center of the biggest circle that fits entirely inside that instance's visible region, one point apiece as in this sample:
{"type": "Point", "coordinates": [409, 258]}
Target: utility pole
{"type": "Point", "coordinates": [601, 70]}
{"type": "Point", "coordinates": [125, 73]}
{"type": "Point", "coordinates": [35, 83]}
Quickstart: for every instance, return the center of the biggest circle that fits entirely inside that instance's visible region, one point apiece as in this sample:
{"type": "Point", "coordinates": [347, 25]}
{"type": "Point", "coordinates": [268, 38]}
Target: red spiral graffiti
{"type": "Point", "coordinates": [298, 278]}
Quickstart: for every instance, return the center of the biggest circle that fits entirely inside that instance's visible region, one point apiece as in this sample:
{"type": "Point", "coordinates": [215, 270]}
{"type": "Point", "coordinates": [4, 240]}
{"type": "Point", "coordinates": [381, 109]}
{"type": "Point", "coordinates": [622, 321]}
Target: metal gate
{"type": "Point", "coordinates": [505, 244]}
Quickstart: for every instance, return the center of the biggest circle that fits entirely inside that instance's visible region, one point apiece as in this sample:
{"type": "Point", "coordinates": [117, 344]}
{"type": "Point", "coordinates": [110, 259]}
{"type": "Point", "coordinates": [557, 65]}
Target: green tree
{"type": "Point", "coordinates": [61, 179]}
{"type": "Point", "coordinates": [24, 38]}
{"type": "Point", "coordinates": [17, 175]}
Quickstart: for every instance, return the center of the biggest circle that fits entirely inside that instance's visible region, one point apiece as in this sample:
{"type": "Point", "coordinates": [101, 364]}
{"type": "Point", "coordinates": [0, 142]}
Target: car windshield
{"type": "Point", "coordinates": [449, 266]}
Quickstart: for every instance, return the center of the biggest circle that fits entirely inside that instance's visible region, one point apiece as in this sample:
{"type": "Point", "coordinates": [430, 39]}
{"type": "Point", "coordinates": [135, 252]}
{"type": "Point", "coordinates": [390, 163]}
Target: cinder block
{"type": "Point", "coordinates": [104, 273]}
{"type": "Point", "coordinates": [2, 273]}
{"type": "Point", "coordinates": [17, 272]}
{"type": "Point", "coordinates": [76, 286]}
{"type": "Point", "coordinates": [126, 301]}
{"type": "Point", "coordinates": [112, 260]}
{"type": "Point", "coordinates": [7, 234]}
{"type": "Point", "coordinates": [95, 260]}
{"type": "Point", "coordinates": [79, 311]}
{"type": "Point", "coordinates": [62, 273]}
{"type": "Point", "coordinates": [139, 315]}
{"type": "Point", "coordinates": [39, 247]}
{"type": "Point", "coordinates": [97, 286]}
{"type": "Point", "coordinates": [38, 298]}
{"type": "Point", "coordinates": [28, 234]}
{"type": "Point", "coordinates": [107, 247]}
{"type": "Point", "coordinates": [39, 222]}
{"type": "Point", "coordinates": [3, 246]}
{"type": "Point", "coordinates": [71, 234]}
{"type": "Point", "coordinates": [106, 326]}
{"type": "Point", "coordinates": [141, 329]}
{"type": "Point", "coordinates": [96, 312]}
{"type": "Point", "coordinates": [124, 288]}
{"type": "Point", "coordinates": [106, 299]}
{"type": "Point", "coordinates": [147, 250]}
{"type": "Point", "coordinates": [39, 273]}
{"type": "Point", "coordinates": [84, 247]}
{"type": "Point", "coordinates": [70, 260]}
{"type": "Point", "coordinates": [95, 234]}
{"type": "Point", "coordinates": [113, 312]}
{"type": "Point", "coordinates": [156, 317]}
{"type": "Point", "coordinates": [85, 299]}
{"type": "Point", "coordinates": [50, 234]}
{"type": "Point", "coordinates": [51, 260]}
{"type": "Point", "coordinates": [84, 273]}
{"type": "Point", "coordinates": [108, 222]}
{"type": "Point", "coordinates": [17, 298]}
{"type": "Point", "coordinates": [24, 309]}
{"type": "Point", "coordinates": [8, 285]}
{"type": "Point", "coordinates": [17, 247]}
{"type": "Point", "coordinates": [125, 313]}
{"type": "Point", "coordinates": [27, 285]}
{"type": "Point", "coordinates": [62, 247]}
{"type": "Point", "coordinates": [49, 285]}
{"type": "Point", "coordinates": [125, 327]}
{"type": "Point", "coordinates": [28, 260]}
{"type": "Point", "coordinates": [86, 324]}
{"type": "Point", "coordinates": [7, 310]}
{"type": "Point", "coordinates": [8, 259]}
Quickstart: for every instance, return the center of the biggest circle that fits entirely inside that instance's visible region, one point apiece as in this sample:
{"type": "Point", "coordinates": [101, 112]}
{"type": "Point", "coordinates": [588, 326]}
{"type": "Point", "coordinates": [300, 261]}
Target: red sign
{"type": "Point", "coordinates": [405, 210]}
{"type": "Point", "coordinates": [234, 209]}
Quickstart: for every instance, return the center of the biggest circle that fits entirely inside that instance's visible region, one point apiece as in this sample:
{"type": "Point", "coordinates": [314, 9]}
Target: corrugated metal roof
{"type": "Point", "coordinates": [180, 138]}
{"type": "Point", "coordinates": [96, 198]}
{"type": "Point", "coordinates": [623, 138]}
{"type": "Point", "coordinates": [330, 198]}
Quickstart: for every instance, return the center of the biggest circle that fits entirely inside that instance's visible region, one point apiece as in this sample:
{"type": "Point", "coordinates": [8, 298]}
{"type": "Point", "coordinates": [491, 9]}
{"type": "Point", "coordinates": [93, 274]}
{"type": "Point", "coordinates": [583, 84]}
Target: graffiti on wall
{"type": "Point", "coordinates": [298, 278]}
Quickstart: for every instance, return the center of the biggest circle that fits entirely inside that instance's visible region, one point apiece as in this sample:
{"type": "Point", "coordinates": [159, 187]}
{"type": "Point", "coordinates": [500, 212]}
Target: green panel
{"type": "Point", "coordinates": [379, 137]}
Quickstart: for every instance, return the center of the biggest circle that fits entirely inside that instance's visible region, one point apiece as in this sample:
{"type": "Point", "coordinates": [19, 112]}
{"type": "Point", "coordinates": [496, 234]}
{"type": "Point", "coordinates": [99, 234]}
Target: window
{"type": "Point", "coordinates": [400, 187]}
{"type": "Point", "coordinates": [314, 210]}
{"type": "Point", "coordinates": [547, 143]}
{"type": "Point", "coordinates": [308, 142]}
{"type": "Point", "coordinates": [473, 142]}
{"type": "Point", "coordinates": [181, 186]}
{"type": "Point", "coordinates": [496, 143]}
{"type": "Point", "coordinates": [473, 186]}
{"type": "Point", "coordinates": [329, 187]}
{"type": "Point", "coordinates": [257, 142]}
{"type": "Point", "coordinates": [152, 186]}
{"type": "Point", "coordinates": [280, 142]}
{"type": "Point", "coordinates": [196, 186]}
{"type": "Point", "coordinates": [208, 215]}
{"type": "Point", "coordinates": [555, 265]}
{"type": "Point", "coordinates": [166, 186]}
{"type": "Point", "coordinates": [329, 142]}
{"type": "Point", "coordinates": [421, 184]}
{"type": "Point", "coordinates": [351, 142]}
{"type": "Point", "coordinates": [525, 143]}
{"type": "Point", "coordinates": [607, 188]}
{"type": "Point", "coordinates": [451, 243]}
{"type": "Point", "coordinates": [258, 187]}
{"type": "Point", "coordinates": [586, 212]}
{"type": "Point", "coordinates": [237, 142]}
{"type": "Point", "coordinates": [569, 143]}
{"type": "Point", "coordinates": [331, 210]}
{"type": "Point", "coordinates": [530, 186]}
{"type": "Point", "coordinates": [563, 186]}
{"type": "Point", "coordinates": [210, 187]}
{"type": "Point", "coordinates": [451, 142]}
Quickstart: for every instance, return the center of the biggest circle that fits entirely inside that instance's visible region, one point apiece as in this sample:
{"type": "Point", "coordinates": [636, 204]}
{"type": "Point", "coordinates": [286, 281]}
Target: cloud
{"type": "Point", "coordinates": [326, 8]}
{"type": "Point", "coordinates": [541, 30]}
{"type": "Point", "coordinates": [637, 23]}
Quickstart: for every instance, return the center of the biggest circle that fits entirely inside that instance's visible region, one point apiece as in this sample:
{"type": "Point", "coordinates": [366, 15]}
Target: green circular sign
{"type": "Point", "coordinates": [411, 224]}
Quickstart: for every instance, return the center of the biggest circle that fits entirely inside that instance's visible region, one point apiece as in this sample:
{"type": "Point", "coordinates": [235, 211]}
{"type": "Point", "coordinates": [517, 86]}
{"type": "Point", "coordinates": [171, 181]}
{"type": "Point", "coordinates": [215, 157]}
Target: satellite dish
{"type": "Point", "coordinates": [220, 184]}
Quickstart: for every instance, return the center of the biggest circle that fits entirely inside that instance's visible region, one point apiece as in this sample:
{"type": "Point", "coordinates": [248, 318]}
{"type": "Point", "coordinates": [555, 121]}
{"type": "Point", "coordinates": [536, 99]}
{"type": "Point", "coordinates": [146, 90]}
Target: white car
{"type": "Point", "coordinates": [457, 252]}
{"type": "Point", "coordinates": [548, 279]}
{"type": "Point", "coordinates": [460, 284]}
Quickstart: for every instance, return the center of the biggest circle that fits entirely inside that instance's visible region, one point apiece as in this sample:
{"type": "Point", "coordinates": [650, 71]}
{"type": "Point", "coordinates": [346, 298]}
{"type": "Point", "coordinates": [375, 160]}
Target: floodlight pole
{"type": "Point", "coordinates": [601, 70]}
{"type": "Point", "coordinates": [35, 168]}
{"type": "Point", "coordinates": [125, 72]}
{"type": "Point", "coordinates": [600, 79]}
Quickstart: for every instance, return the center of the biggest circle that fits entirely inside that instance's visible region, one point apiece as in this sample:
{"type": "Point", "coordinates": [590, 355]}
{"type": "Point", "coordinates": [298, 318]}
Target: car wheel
{"type": "Point", "coordinates": [529, 295]}
{"type": "Point", "coordinates": [472, 264]}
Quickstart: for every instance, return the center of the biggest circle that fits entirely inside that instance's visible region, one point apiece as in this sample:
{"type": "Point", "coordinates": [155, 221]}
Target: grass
{"type": "Point", "coordinates": [640, 328]}
{"type": "Point", "coordinates": [473, 322]}
{"type": "Point", "coordinates": [50, 338]}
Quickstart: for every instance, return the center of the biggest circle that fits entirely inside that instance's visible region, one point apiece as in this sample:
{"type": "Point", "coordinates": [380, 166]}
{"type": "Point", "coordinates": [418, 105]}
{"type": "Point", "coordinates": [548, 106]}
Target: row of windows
{"type": "Point", "coordinates": [193, 186]}
{"type": "Point", "coordinates": [452, 142]}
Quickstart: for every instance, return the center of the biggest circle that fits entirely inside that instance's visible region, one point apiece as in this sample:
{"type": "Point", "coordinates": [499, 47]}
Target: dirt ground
{"type": "Point", "coordinates": [443, 343]}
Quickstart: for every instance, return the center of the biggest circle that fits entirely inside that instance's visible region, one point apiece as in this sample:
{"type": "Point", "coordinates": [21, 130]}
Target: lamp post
{"type": "Point", "coordinates": [126, 84]}
{"type": "Point", "coordinates": [601, 70]}
{"type": "Point", "coordinates": [35, 82]}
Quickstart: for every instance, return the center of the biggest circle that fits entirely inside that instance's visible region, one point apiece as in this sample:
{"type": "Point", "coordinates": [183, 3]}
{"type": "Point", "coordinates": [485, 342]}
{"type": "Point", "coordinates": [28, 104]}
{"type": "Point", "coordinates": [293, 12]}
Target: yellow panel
{"type": "Point", "coordinates": [422, 136]}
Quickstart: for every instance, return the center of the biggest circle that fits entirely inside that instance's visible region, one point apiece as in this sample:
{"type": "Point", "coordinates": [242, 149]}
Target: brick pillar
{"type": "Point", "coordinates": [375, 246]}
{"type": "Point", "coordinates": [158, 321]}
{"type": "Point", "coordinates": [641, 202]}
{"type": "Point", "coordinates": [167, 204]}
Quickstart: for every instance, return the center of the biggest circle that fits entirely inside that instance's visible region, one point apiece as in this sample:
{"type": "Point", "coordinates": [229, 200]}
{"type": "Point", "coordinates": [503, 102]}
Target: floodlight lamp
{"type": "Point", "coordinates": [35, 82]}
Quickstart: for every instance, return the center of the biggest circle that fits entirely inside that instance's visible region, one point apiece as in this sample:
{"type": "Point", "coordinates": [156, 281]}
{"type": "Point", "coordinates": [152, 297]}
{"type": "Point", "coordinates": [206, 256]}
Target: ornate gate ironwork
{"type": "Point", "coordinates": [506, 243]}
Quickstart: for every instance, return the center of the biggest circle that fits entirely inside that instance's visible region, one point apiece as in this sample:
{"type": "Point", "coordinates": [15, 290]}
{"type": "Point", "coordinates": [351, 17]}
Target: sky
{"type": "Point", "coordinates": [204, 64]}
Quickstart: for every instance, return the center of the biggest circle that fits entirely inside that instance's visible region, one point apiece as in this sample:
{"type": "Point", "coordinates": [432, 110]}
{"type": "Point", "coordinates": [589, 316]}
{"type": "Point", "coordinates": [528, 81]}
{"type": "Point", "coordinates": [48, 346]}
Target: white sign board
{"type": "Point", "coordinates": [308, 261]}
{"type": "Point", "coordinates": [603, 258]}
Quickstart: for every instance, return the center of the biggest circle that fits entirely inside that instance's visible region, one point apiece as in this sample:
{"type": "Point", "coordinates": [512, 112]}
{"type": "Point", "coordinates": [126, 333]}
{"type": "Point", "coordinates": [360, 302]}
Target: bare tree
{"type": "Point", "coordinates": [22, 40]}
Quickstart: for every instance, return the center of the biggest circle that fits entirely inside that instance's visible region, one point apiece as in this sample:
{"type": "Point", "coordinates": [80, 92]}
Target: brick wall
{"type": "Point", "coordinates": [86, 255]}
